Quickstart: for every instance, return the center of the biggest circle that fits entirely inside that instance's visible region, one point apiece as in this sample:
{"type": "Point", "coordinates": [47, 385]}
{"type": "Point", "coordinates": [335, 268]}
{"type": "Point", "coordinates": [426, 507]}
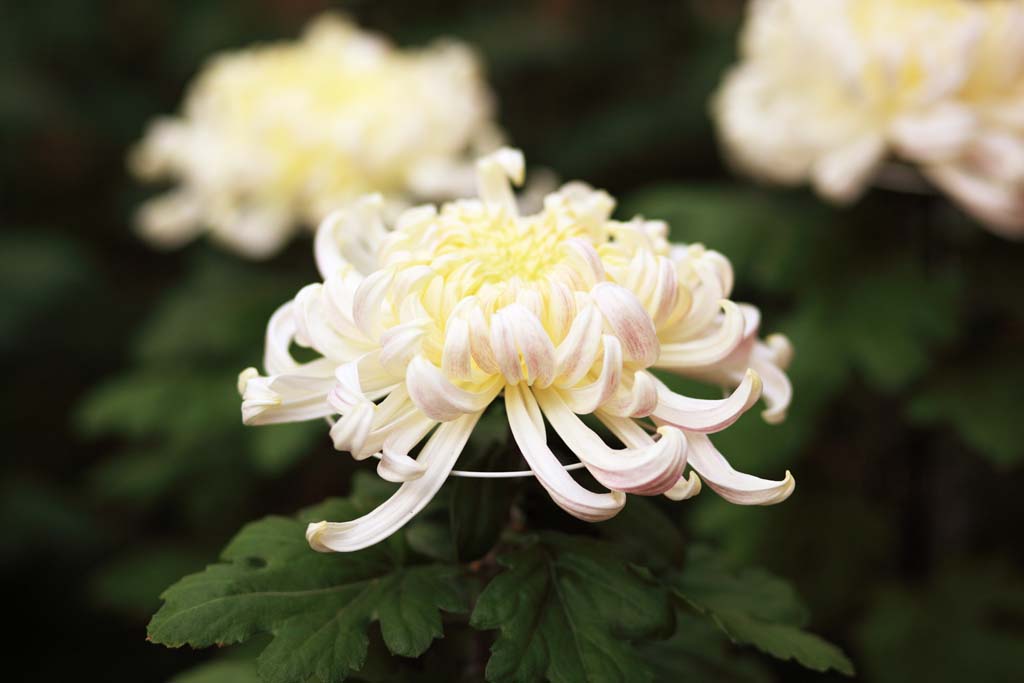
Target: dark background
{"type": "Point", "coordinates": [126, 463]}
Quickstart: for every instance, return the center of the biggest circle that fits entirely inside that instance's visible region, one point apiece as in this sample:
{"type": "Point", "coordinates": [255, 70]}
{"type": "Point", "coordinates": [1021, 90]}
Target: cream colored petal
{"type": "Point", "coordinates": [523, 417]}
{"type": "Point", "coordinates": [704, 415]}
{"type": "Point", "coordinates": [735, 487]}
{"type": "Point", "coordinates": [649, 469]}
{"type": "Point", "coordinates": [437, 459]}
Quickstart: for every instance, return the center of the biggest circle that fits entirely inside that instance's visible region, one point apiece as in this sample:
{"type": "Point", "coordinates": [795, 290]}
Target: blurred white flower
{"type": "Point", "coordinates": [828, 91]}
{"type": "Point", "coordinates": [276, 136]}
{"type": "Point", "coordinates": [421, 325]}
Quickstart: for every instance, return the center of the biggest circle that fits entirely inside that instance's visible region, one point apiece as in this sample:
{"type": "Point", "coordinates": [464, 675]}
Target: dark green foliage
{"type": "Point", "coordinates": [317, 606]}
{"type": "Point", "coordinates": [568, 611]}
{"type": "Point", "coordinates": [755, 608]}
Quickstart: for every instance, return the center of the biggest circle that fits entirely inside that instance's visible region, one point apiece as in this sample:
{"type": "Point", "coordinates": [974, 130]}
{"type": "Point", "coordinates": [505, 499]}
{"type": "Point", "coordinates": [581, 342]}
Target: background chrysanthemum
{"type": "Point", "coordinates": [272, 137]}
{"type": "Point", "coordinates": [829, 92]}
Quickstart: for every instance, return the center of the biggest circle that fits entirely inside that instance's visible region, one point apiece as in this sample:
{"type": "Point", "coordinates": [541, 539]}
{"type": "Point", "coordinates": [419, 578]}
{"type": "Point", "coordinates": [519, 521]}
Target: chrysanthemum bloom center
{"type": "Point", "coordinates": [503, 249]}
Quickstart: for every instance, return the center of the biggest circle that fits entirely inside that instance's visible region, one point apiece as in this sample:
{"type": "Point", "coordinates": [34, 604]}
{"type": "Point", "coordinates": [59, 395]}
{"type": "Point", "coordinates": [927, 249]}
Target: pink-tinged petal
{"type": "Point", "coordinates": [704, 415]}
{"type": "Point", "coordinates": [588, 270]}
{"type": "Point", "coordinates": [649, 469]}
{"type": "Point", "coordinates": [456, 357]}
{"type": "Point", "coordinates": [480, 342]}
{"type": "Point", "coordinates": [707, 350]}
{"type": "Point", "coordinates": [706, 297]}
{"type": "Point", "coordinates": [685, 488]}
{"type": "Point", "coordinates": [666, 292]}
{"type": "Point", "coordinates": [586, 399]}
{"type": "Point", "coordinates": [778, 391]}
{"type": "Point", "coordinates": [735, 487]}
{"type": "Point", "coordinates": [578, 351]}
{"type": "Point", "coordinates": [438, 398]}
{"type": "Point", "coordinates": [503, 344]}
{"type": "Point", "coordinates": [636, 399]}
{"type": "Point", "coordinates": [285, 398]}
{"type": "Point", "coordinates": [523, 418]}
{"type": "Point", "coordinates": [521, 344]}
{"type": "Point", "coordinates": [629, 321]}
{"type": "Point", "coordinates": [437, 459]}
{"type": "Point", "coordinates": [560, 310]}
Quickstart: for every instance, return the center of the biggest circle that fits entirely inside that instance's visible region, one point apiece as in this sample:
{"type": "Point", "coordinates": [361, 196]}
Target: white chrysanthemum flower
{"type": "Point", "coordinates": [829, 90]}
{"type": "Point", "coordinates": [562, 313]}
{"type": "Point", "coordinates": [277, 136]}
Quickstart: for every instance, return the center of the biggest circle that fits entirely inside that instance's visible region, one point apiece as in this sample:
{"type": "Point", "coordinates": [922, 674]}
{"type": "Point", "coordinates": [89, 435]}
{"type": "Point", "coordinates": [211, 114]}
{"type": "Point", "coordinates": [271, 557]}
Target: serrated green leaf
{"type": "Point", "coordinates": [708, 582]}
{"type": "Point", "coordinates": [755, 608]}
{"type": "Point", "coordinates": [317, 606]}
{"type": "Point", "coordinates": [700, 652]}
{"type": "Point", "coordinates": [569, 610]}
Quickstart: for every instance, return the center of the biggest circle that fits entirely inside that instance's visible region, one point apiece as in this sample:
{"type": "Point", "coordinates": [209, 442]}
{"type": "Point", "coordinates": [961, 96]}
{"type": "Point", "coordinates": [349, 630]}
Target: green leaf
{"type": "Point", "coordinates": [699, 651]}
{"type": "Point", "coordinates": [569, 610]}
{"type": "Point", "coordinates": [755, 608]}
{"type": "Point", "coordinates": [317, 606]}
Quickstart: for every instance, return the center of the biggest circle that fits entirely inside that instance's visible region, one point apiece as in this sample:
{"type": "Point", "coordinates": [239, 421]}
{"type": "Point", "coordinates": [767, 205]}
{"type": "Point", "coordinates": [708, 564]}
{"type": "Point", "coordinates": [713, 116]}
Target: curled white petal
{"type": "Point", "coordinates": [285, 398]}
{"type": "Point", "coordinates": [704, 415]}
{"type": "Point", "coordinates": [567, 494]}
{"type": "Point", "coordinates": [437, 459]}
{"type": "Point", "coordinates": [735, 487]}
{"type": "Point", "coordinates": [438, 398]}
{"type": "Point", "coordinates": [649, 470]}
{"type": "Point", "coordinates": [709, 349]}
{"type": "Point", "coordinates": [685, 488]}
